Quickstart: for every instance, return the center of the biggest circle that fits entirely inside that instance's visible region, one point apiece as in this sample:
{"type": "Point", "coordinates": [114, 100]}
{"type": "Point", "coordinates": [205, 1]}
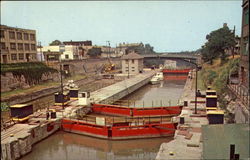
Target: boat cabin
{"type": "Point", "coordinates": [21, 112]}
{"type": "Point", "coordinates": [73, 93]}
{"type": "Point", "coordinates": [62, 99]}
{"type": "Point", "coordinates": [84, 98]}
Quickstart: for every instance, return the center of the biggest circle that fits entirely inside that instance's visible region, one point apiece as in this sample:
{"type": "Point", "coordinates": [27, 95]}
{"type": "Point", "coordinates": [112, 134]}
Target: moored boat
{"type": "Point", "coordinates": [155, 80]}
{"type": "Point", "coordinates": [159, 75]}
{"type": "Point", "coordinates": [120, 130]}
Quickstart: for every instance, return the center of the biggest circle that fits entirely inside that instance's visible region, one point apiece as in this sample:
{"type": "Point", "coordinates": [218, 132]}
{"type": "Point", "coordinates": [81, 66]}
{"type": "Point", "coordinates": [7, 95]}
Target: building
{"type": "Point", "coordinates": [132, 63]}
{"type": "Point", "coordinates": [83, 47]}
{"type": "Point", "coordinates": [17, 45]}
{"type": "Point", "coordinates": [52, 53]}
{"type": "Point", "coordinates": [244, 49]}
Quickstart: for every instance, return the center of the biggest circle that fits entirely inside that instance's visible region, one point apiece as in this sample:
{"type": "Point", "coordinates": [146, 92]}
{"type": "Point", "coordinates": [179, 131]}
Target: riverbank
{"type": "Point", "coordinates": [187, 140]}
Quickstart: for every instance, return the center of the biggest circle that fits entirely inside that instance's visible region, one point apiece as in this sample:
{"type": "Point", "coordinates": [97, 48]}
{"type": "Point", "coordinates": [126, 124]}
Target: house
{"type": "Point", "coordinates": [132, 63]}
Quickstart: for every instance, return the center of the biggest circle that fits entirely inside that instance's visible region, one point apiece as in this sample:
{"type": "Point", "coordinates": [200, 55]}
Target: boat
{"type": "Point", "coordinates": [155, 80]}
{"type": "Point", "coordinates": [120, 130]}
{"type": "Point", "coordinates": [159, 75]}
{"type": "Point", "coordinates": [114, 122]}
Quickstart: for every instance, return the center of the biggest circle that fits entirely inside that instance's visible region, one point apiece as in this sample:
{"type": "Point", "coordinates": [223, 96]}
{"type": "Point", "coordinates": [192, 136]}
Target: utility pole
{"type": "Point", "coordinates": [61, 50]}
{"type": "Point", "coordinates": [108, 45]}
{"type": "Point", "coordinates": [128, 68]}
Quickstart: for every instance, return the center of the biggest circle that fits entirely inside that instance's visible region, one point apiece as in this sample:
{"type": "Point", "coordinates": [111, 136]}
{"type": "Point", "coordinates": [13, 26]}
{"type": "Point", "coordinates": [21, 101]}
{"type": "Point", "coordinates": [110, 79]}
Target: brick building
{"type": "Point", "coordinates": [244, 49]}
{"type": "Point", "coordinates": [17, 45]}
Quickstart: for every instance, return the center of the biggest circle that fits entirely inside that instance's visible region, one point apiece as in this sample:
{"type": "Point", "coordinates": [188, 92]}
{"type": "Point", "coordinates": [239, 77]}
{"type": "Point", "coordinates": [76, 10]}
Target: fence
{"type": "Point", "coordinates": [241, 93]}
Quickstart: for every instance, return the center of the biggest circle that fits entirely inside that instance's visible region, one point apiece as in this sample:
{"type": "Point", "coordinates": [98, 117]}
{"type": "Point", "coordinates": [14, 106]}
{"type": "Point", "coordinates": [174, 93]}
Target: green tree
{"type": "Point", "coordinates": [94, 52]}
{"type": "Point", "coordinates": [217, 42]}
{"type": "Point", "coordinates": [55, 43]}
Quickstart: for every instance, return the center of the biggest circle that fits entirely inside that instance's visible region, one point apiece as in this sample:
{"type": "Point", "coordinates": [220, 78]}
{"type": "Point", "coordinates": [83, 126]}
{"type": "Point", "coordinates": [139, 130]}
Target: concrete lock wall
{"type": "Point", "coordinates": [124, 92]}
{"type": "Point", "coordinates": [21, 144]}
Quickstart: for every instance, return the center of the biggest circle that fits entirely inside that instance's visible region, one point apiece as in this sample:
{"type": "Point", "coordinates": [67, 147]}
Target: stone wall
{"type": "Point", "coordinates": [10, 82]}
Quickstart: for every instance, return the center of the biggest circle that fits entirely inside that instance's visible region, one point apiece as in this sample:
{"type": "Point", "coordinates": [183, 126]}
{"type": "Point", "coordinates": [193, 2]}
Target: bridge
{"type": "Point", "coordinates": [170, 56]}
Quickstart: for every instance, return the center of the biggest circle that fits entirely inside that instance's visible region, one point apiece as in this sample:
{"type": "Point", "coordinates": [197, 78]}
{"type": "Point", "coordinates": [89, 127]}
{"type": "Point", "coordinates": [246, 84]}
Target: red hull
{"type": "Point", "coordinates": [177, 71]}
{"type": "Point", "coordinates": [126, 111]}
{"type": "Point", "coordinates": [119, 132]}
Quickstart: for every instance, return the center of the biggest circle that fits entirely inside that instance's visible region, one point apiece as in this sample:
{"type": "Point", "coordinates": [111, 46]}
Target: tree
{"type": "Point", "coordinates": [55, 43]}
{"type": "Point", "coordinates": [94, 52]}
{"type": "Point", "coordinates": [217, 42]}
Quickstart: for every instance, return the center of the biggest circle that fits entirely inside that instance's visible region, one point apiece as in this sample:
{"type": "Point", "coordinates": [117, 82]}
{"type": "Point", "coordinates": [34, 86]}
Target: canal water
{"type": "Point", "coordinates": [68, 146]}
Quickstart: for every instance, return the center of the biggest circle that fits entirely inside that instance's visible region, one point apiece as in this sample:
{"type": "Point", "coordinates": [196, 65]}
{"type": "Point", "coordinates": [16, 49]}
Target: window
{"type": "Point", "coordinates": [246, 16]}
{"type": "Point", "coordinates": [21, 56]}
{"type": "Point", "coordinates": [12, 35]}
{"type": "Point", "coordinates": [133, 61]}
{"type": "Point", "coordinates": [32, 37]}
{"type": "Point", "coordinates": [13, 57]}
{"type": "Point", "coordinates": [133, 70]}
{"type": "Point", "coordinates": [27, 47]}
{"type": "Point", "coordinates": [33, 47]}
{"type": "Point", "coordinates": [126, 61]}
{"type": "Point", "coordinates": [20, 46]}
{"type": "Point", "coordinates": [13, 46]}
{"type": "Point", "coordinates": [2, 34]}
{"type": "Point", "coordinates": [66, 56]}
{"type": "Point", "coordinates": [245, 46]}
{"type": "Point", "coordinates": [19, 35]}
{"type": "Point", "coordinates": [2, 45]}
{"type": "Point", "coordinates": [26, 36]}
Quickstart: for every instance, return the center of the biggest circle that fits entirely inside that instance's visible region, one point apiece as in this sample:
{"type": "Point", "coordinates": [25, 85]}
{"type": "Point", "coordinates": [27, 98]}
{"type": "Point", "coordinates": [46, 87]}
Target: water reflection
{"type": "Point", "coordinates": [166, 93]}
{"type": "Point", "coordinates": [67, 146]}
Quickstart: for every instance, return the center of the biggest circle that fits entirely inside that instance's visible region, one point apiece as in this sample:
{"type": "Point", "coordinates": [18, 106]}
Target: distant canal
{"type": "Point", "coordinates": [68, 146]}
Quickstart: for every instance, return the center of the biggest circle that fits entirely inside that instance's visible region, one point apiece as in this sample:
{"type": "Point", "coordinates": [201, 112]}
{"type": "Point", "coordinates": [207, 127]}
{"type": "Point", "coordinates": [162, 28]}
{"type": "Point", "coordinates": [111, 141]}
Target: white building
{"type": "Point", "coordinates": [132, 63]}
{"type": "Point", "coordinates": [53, 53]}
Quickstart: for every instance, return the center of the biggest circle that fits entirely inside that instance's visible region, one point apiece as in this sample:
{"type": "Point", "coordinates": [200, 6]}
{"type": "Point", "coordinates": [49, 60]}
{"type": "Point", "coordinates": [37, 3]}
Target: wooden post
{"type": "Point", "coordinates": [232, 150]}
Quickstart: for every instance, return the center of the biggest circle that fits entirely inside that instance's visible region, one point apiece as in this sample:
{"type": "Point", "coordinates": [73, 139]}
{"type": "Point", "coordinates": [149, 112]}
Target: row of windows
{"type": "Point", "coordinates": [18, 35]}
{"type": "Point", "coordinates": [133, 61]}
{"type": "Point", "coordinates": [246, 16]}
{"type": "Point", "coordinates": [19, 46]}
{"type": "Point", "coordinates": [20, 56]}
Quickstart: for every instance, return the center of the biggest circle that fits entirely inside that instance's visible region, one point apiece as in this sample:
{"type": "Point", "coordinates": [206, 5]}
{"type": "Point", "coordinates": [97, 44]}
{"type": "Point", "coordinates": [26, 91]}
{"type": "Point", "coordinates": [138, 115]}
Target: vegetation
{"type": "Point", "coordinates": [217, 42]}
{"type": "Point", "coordinates": [142, 49]}
{"type": "Point", "coordinates": [32, 71]}
{"type": "Point", "coordinates": [55, 43]}
{"type": "Point", "coordinates": [94, 52]}
{"type": "Point", "coordinates": [4, 107]}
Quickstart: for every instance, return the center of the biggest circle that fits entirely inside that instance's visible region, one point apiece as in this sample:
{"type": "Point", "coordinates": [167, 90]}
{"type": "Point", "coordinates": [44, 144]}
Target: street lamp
{"type": "Point", "coordinates": [196, 77]}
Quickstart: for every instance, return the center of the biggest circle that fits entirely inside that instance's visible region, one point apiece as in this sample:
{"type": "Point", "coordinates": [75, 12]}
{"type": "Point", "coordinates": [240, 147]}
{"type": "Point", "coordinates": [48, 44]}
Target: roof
{"type": "Point", "coordinates": [132, 55]}
{"type": "Point", "coordinates": [211, 96]}
{"type": "Point", "coordinates": [217, 139]}
{"type": "Point", "coordinates": [215, 112]}
{"type": "Point", "coordinates": [19, 105]}
{"type": "Point", "coordinates": [210, 90]}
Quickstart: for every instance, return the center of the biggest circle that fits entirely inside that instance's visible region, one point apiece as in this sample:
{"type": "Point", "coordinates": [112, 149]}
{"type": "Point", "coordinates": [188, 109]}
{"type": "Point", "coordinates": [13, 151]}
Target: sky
{"type": "Point", "coordinates": [168, 26]}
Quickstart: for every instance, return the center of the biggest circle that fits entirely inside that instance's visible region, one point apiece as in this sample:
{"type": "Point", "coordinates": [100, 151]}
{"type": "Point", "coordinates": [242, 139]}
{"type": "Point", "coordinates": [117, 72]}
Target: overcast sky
{"type": "Point", "coordinates": [168, 26]}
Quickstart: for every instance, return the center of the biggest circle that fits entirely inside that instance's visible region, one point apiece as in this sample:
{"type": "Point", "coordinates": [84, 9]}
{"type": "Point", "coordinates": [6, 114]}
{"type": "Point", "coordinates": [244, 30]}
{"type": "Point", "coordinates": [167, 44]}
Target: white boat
{"type": "Point", "coordinates": [159, 75]}
{"type": "Point", "coordinates": [155, 80]}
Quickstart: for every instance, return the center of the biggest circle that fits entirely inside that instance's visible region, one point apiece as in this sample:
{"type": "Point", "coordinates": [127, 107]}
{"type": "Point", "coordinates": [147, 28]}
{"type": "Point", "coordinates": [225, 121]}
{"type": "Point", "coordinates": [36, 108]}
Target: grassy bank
{"type": "Point", "coordinates": [39, 87]}
{"type": "Point", "coordinates": [217, 76]}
